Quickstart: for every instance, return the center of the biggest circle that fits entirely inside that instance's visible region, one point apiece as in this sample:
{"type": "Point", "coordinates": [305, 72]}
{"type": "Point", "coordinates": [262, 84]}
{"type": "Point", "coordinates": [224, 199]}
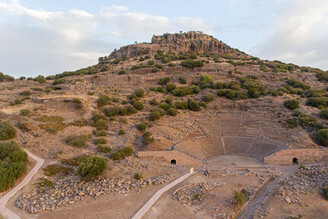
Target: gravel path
{"type": "Point", "coordinates": [6, 213]}
{"type": "Point", "coordinates": [266, 192]}
{"type": "Point", "coordinates": [158, 194]}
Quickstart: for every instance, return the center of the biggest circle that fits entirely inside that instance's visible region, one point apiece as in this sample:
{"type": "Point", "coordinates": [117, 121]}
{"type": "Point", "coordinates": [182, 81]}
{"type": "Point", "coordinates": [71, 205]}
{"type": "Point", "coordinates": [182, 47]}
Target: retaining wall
{"type": "Point", "coordinates": [180, 158]}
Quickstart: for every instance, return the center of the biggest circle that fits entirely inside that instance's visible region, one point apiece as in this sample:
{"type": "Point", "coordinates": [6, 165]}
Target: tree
{"type": "Point", "coordinates": [92, 166]}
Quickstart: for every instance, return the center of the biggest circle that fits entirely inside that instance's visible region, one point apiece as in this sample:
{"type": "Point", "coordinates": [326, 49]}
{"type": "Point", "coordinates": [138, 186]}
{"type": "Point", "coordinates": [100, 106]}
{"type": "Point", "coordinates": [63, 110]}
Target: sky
{"type": "Point", "coordinates": [48, 37]}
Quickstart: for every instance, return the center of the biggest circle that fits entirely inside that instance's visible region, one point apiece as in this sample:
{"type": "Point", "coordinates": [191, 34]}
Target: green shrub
{"type": "Point", "coordinates": [322, 137]}
{"type": "Point", "coordinates": [181, 104]}
{"type": "Point", "coordinates": [139, 92]}
{"type": "Point", "coordinates": [306, 120]}
{"type": "Point", "coordinates": [164, 81]}
{"type": "Point", "coordinates": [12, 164]}
{"type": "Point", "coordinates": [324, 114]}
{"type": "Point", "coordinates": [317, 101]}
{"type": "Point", "coordinates": [147, 138]}
{"type": "Point", "coordinates": [195, 89]}
{"type": "Point", "coordinates": [182, 91]}
{"type": "Point", "coordinates": [239, 198]}
{"type": "Point", "coordinates": [207, 98]}
{"type": "Point", "coordinates": [41, 79]}
{"type": "Point", "coordinates": [206, 78]}
{"type": "Point", "coordinates": [137, 176]}
{"type": "Point", "coordinates": [291, 104]}
{"type": "Point", "coordinates": [182, 80]}
{"type": "Point", "coordinates": [100, 141]}
{"type": "Point", "coordinates": [24, 112]}
{"type": "Point", "coordinates": [102, 101]}
{"type": "Point", "coordinates": [121, 132]}
{"type": "Point", "coordinates": [297, 84]}
{"type": "Point", "coordinates": [292, 123]}
{"type": "Point", "coordinates": [151, 62]}
{"type": "Point", "coordinates": [92, 166]}
{"type": "Point", "coordinates": [192, 64]}
{"type": "Point", "coordinates": [25, 93]}
{"type": "Point", "coordinates": [104, 150]}
{"type": "Point", "coordinates": [6, 131]}
{"type": "Point", "coordinates": [164, 106]}
{"type": "Point", "coordinates": [153, 102]}
{"type": "Point", "coordinates": [100, 124]}
{"type": "Point", "coordinates": [100, 133]}
{"type": "Point", "coordinates": [121, 153]}
{"type": "Point", "coordinates": [155, 115]}
{"type": "Point", "coordinates": [172, 112]}
{"type": "Point", "coordinates": [54, 169]}
{"type": "Point", "coordinates": [193, 105]}
{"type": "Point", "coordinates": [138, 105]}
{"type": "Point", "coordinates": [76, 161]}
{"type": "Point", "coordinates": [170, 87]}
{"type": "Point", "coordinates": [77, 140]}
{"type": "Point", "coordinates": [142, 127]}
{"type": "Point", "coordinates": [122, 72]}
{"type": "Point", "coordinates": [59, 81]}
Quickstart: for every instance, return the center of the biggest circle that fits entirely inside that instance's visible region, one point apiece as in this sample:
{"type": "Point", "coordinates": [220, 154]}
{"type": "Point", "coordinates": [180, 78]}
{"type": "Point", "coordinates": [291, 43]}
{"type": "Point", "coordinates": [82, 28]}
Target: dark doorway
{"type": "Point", "coordinates": [295, 160]}
{"type": "Point", "coordinates": [173, 162]}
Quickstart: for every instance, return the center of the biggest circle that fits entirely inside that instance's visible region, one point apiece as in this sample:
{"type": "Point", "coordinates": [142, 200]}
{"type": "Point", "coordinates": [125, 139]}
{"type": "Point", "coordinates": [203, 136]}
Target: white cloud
{"type": "Point", "coordinates": [299, 34]}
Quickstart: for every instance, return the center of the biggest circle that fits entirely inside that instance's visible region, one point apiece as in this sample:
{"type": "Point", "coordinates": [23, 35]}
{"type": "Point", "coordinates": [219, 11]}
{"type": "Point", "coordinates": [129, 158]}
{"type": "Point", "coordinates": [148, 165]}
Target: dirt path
{"type": "Point", "coordinates": [266, 192]}
{"type": "Point", "coordinates": [6, 213]}
{"type": "Point", "coordinates": [143, 210]}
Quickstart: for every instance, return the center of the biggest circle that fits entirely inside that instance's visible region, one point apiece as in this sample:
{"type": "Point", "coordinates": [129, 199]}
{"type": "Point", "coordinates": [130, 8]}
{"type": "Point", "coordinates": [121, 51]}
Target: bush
{"type": "Point", "coordinates": [92, 166]}
{"type": "Point", "coordinates": [137, 176]}
{"type": "Point", "coordinates": [317, 101]}
{"type": "Point", "coordinates": [59, 81]}
{"type": "Point", "coordinates": [324, 114]}
{"type": "Point", "coordinates": [100, 141]}
{"type": "Point", "coordinates": [207, 98]}
{"type": "Point", "coordinates": [164, 81]}
{"type": "Point", "coordinates": [24, 112]}
{"type": "Point", "coordinates": [153, 102]}
{"type": "Point", "coordinates": [122, 153]}
{"type": "Point", "coordinates": [138, 105]}
{"type": "Point", "coordinates": [170, 87]}
{"type": "Point", "coordinates": [147, 138]}
{"type": "Point", "coordinates": [193, 105]}
{"type": "Point", "coordinates": [25, 93]}
{"type": "Point", "coordinates": [100, 124]}
{"type": "Point", "coordinates": [195, 89]}
{"type": "Point", "coordinates": [292, 123]}
{"type": "Point", "coordinates": [182, 80]}
{"type": "Point", "coordinates": [121, 132]}
{"type": "Point", "coordinates": [101, 133]}
{"type": "Point", "coordinates": [155, 115]}
{"type": "Point", "coordinates": [104, 150]}
{"type": "Point", "coordinates": [102, 101]}
{"type": "Point", "coordinates": [322, 137]}
{"type": "Point", "coordinates": [122, 72]}
{"type": "Point", "coordinates": [142, 127]}
{"type": "Point", "coordinates": [56, 169]}
{"type": "Point", "coordinates": [7, 131]}
{"type": "Point", "coordinates": [297, 84]}
{"type": "Point", "coordinates": [172, 112]}
{"type": "Point", "coordinates": [41, 79]}
{"type": "Point", "coordinates": [181, 105]}
{"type": "Point", "coordinates": [206, 78]}
{"type": "Point", "coordinates": [192, 64]}
{"type": "Point", "coordinates": [164, 106]}
{"type": "Point", "coordinates": [239, 198]}
{"type": "Point", "coordinates": [182, 91]}
{"type": "Point", "coordinates": [291, 104]}
{"type": "Point", "coordinates": [77, 140]}
{"type": "Point", "coordinates": [12, 164]}
{"type": "Point", "coordinates": [139, 92]}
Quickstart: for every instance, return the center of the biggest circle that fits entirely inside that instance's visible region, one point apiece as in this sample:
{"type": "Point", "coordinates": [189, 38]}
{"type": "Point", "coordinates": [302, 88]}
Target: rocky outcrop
{"type": "Point", "coordinates": [180, 42]}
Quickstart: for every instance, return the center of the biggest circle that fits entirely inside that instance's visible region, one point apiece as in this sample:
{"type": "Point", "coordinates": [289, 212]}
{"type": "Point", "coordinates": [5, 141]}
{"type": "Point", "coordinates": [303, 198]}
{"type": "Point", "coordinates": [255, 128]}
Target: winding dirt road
{"type": "Point", "coordinates": [5, 212]}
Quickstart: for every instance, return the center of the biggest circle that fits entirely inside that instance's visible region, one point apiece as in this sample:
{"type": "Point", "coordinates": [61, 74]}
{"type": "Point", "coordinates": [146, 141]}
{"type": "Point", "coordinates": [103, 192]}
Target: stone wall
{"type": "Point", "coordinates": [303, 156]}
{"type": "Point", "coordinates": [180, 158]}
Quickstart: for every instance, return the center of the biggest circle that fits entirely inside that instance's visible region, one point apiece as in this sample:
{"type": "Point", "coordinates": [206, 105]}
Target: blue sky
{"type": "Point", "coordinates": [48, 37]}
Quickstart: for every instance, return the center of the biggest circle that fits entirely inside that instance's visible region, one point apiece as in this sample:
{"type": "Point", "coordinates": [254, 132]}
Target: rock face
{"type": "Point", "coordinates": [180, 42]}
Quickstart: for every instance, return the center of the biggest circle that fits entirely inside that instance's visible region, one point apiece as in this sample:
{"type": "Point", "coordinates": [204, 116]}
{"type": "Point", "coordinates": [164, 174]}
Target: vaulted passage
{"type": "Point", "coordinates": [173, 162]}
{"type": "Point", "coordinates": [295, 160]}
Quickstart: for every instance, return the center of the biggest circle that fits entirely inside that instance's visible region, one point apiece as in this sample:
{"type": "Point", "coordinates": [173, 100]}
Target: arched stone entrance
{"type": "Point", "coordinates": [295, 160]}
{"type": "Point", "coordinates": [173, 162]}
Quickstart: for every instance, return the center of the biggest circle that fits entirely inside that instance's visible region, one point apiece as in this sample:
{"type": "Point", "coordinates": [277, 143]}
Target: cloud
{"type": "Point", "coordinates": [48, 42]}
{"type": "Point", "coordinates": [299, 34]}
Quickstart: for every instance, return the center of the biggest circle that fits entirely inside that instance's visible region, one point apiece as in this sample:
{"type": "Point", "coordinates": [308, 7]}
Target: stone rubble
{"type": "Point", "coordinates": [72, 189]}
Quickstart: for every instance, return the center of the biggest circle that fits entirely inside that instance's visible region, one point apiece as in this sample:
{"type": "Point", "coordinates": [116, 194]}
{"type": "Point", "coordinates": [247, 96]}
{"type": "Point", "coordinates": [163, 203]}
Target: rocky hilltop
{"type": "Point", "coordinates": [195, 42]}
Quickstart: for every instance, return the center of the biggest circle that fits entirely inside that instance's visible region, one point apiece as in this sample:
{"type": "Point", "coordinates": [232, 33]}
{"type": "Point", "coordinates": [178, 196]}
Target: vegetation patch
{"type": "Point", "coordinates": [56, 169]}
{"type": "Point", "coordinates": [7, 132]}
{"type": "Point", "coordinates": [12, 164]}
{"type": "Point", "coordinates": [92, 166]}
{"type": "Point", "coordinates": [121, 153]}
{"type": "Point", "coordinates": [77, 140]}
